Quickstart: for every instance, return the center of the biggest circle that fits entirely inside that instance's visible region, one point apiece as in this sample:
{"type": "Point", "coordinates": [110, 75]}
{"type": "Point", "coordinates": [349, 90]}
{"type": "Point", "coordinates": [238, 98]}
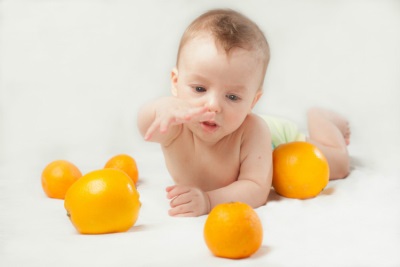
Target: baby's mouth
{"type": "Point", "coordinates": [209, 126]}
{"type": "Point", "coordinates": [209, 123]}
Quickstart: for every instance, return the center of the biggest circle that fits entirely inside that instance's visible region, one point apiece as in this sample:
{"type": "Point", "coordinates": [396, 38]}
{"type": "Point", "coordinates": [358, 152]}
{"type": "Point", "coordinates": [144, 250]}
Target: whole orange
{"type": "Point", "coordinates": [300, 170]}
{"type": "Point", "coordinates": [233, 230]}
{"type": "Point", "coordinates": [126, 164]}
{"type": "Point", "coordinates": [103, 201]}
{"type": "Point", "coordinates": [58, 176]}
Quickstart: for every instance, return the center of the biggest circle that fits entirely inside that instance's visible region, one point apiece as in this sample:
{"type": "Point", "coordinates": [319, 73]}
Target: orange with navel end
{"type": "Point", "coordinates": [58, 176]}
{"type": "Point", "coordinates": [103, 201]}
{"type": "Point", "coordinates": [233, 230]}
{"type": "Point", "coordinates": [300, 170]}
{"type": "Point", "coordinates": [126, 164]}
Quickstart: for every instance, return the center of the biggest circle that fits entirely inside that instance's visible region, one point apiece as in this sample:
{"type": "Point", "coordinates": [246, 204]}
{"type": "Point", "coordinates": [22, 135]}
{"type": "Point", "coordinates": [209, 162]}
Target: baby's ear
{"type": "Point", "coordinates": [256, 98]}
{"type": "Point", "coordinates": [174, 81]}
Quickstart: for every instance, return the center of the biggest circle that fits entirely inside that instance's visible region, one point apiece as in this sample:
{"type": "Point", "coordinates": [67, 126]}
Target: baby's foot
{"type": "Point", "coordinates": [341, 123]}
{"type": "Point", "coordinates": [345, 129]}
{"type": "Point", "coordinates": [347, 134]}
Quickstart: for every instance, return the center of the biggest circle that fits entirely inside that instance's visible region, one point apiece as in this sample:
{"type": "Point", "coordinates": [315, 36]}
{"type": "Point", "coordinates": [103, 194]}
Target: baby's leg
{"type": "Point", "coordinates": [330, 132]}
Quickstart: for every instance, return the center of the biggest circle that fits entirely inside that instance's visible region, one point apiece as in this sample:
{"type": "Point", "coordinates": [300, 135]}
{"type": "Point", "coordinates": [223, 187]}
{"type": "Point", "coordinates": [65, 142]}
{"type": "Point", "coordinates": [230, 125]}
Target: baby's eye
{"type": "Point", "coordinates": [199, 89]}
{"type": "Point", "coordinates": [233, 97]}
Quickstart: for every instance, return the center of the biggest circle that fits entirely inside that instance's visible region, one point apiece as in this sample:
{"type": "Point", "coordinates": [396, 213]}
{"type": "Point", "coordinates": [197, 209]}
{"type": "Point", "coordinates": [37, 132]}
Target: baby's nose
{"type": "Point", "coordinates": [213, 104]}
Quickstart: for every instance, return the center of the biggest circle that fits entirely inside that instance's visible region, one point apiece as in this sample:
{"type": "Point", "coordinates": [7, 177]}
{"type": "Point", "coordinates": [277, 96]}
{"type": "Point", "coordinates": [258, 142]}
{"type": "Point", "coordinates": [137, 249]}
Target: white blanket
{"type": "Point", "coordinates": [74, 73]}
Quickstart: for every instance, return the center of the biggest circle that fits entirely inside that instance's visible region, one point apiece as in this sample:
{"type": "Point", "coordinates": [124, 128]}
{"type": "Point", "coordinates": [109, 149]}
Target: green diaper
{"type": "Point", "coordinates": [282, 130]}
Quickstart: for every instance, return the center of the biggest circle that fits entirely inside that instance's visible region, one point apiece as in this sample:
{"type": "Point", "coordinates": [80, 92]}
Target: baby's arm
{"type": "Point", "coordinates": [255, 178]}
{"type": "Point", "coordinates": [160, 121]}
{"type": "Point", "coordinates": [252, 186]}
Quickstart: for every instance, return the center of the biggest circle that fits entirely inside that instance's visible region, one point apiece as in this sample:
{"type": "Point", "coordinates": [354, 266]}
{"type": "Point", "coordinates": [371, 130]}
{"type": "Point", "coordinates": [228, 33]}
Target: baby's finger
{"type": "Point", "coordinates": [169, 188]}
{"type": "Point", "coordinates": [186, 214]}
{"type": "Point", "coordinates": [177, 190]}
{"type": "Point", "coordinates": [198, 111]}
{"type": "Point", "coordinates": [183, 116]}
{"type": "Point", "coordinates": [153, 127]}
{"type": "Point", "coordinates": [187, 115]}
{"type": "Point", "coordinates": [178, 117]}
{"type": "Point", "coordinates": [207, 116]}
{"type": "Point", "coordinates": [181, 211]}
{"type": "Point", "coordinates": [164, 124]}
{"type": "Point", "coordinates": [180, 200]}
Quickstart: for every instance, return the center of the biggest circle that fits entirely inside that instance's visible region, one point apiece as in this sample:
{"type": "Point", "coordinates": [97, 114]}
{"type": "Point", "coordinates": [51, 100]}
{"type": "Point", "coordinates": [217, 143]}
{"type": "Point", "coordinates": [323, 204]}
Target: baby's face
{"type": "Point", "coordinates": [228, 85]}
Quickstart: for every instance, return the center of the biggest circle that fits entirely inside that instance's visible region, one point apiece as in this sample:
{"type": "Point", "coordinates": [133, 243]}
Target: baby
{"type": "Point", "coordinates": [215, 148]}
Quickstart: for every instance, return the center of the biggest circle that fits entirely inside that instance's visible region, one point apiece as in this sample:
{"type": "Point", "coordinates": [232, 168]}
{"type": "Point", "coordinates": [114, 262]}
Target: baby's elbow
{"type": "Point", "coordinates": [262, 196]}
{"type": "Point", "coordinates": [265, 198]}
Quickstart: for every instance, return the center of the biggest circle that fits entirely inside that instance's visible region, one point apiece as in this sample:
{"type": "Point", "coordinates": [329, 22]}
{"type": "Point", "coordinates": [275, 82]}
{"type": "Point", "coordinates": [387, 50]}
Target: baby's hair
{"type": "Point", "coordinates": [230, 29]}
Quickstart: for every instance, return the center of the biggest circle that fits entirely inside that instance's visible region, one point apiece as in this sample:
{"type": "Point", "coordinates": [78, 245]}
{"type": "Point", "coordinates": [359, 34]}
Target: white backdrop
{"type": "Point", "coordinates": [74, 73]}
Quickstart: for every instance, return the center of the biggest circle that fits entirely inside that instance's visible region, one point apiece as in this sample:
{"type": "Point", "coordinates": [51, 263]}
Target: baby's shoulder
{"type": "Point", "coordinates": [253, 121]}
{"type": "Point", "coordinates": [254, 126]}
{"type": "Point", "coordinates": [256, 137]}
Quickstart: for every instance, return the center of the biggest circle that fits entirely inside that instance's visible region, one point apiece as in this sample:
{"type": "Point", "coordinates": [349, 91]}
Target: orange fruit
{"type": "Point", "coordinates": [233, 230]}
{"type": "Point", "coordinates": [58, 176]}
{"type": "Point", "coordinates": [126, 164]}
{"type": "Point", "coordinates": [300, 170]}
{"type": "Point", "coordinates": [103, 201]}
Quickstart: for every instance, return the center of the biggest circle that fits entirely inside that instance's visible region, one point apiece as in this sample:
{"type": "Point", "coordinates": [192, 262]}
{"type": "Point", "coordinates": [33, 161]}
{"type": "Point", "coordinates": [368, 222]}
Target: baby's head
{"type": "Point", "coordinates": [229, 30]}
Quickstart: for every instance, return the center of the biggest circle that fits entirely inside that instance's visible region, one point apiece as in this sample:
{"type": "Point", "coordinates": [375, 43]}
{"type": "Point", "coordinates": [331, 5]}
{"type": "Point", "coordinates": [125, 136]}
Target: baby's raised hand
{"type": "Point", "coordinates": [174, 113]}
{"type": "Point", "coordinates": [187, 201]}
